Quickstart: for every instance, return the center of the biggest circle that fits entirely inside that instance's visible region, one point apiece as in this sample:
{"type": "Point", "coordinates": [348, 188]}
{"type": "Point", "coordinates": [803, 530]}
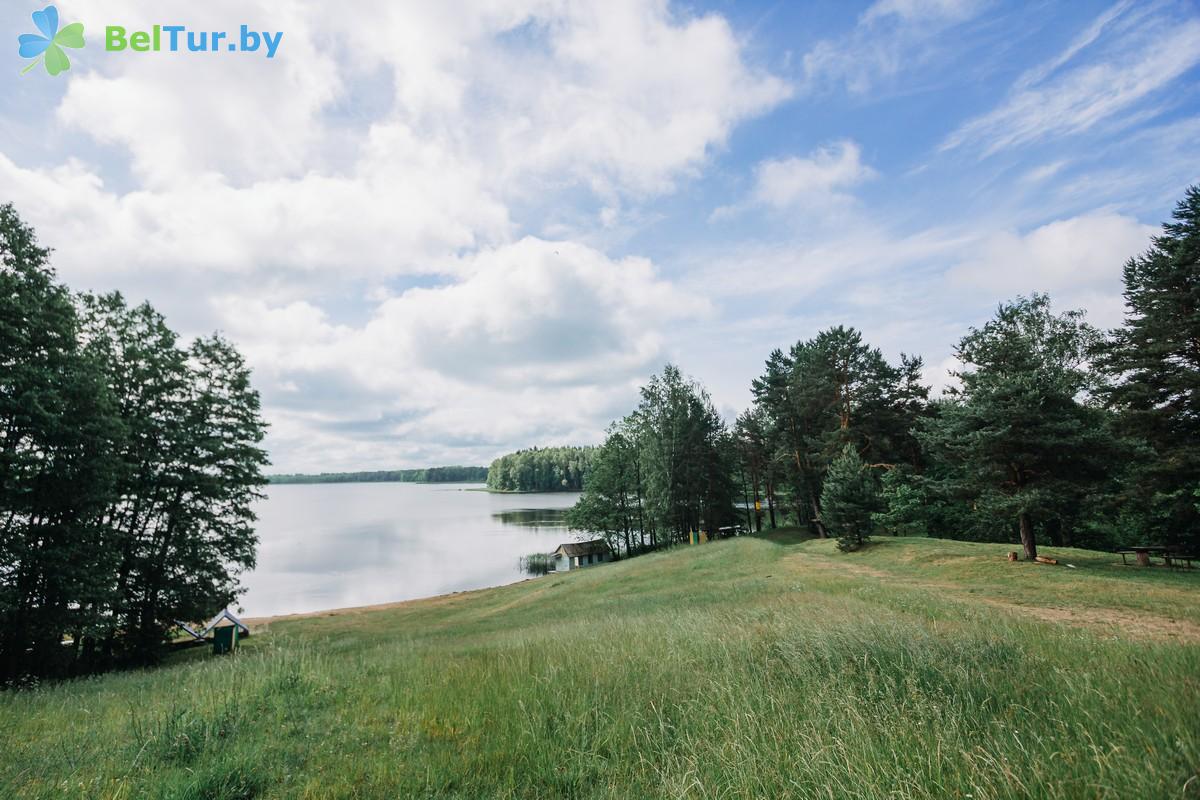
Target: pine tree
{"type": "Point", "coordinates": [1154, 359]}
{"type": "Point", "coordinates": [835, 390]}
{"type": "Point", "coordinates": [849, 500]}
{"type": "Point", "coordinates": [1017, 440]}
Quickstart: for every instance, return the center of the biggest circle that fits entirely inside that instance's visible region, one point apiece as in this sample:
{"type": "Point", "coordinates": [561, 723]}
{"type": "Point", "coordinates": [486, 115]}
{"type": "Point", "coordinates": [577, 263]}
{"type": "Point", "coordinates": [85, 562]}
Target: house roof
{"type": "Point", "coordinates": [224, 616]}
{"type": "Point", "coordinates": [572, 549]}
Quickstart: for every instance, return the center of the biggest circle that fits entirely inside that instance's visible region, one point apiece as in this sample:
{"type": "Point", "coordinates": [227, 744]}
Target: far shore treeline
{"type": "Point", "coordinates": [1053, 431]}
{"type": "Point", "coordinates": [426, 475]}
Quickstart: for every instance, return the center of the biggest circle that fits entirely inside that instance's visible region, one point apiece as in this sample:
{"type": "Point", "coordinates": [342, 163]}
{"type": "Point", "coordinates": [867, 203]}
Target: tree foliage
{"type": "Point", "coordinates": [541, 469]}
{"type": "Point", "coordinates": [850, 499]}
{"type": "Point", "coordinates": [1154, 362]}
{"type": "Point", "coordinates": [1019, 438]}
{"type": "Point", "coordinates": [831, 391]}
{"type": "Point", "coordinates": [59, 434]}
{"type": "Point", "coordinates": [759, 469]}
{"type": "Point", "coordinates": [130, 465]}
{"type": "Point", "coordinates": [664, 471]}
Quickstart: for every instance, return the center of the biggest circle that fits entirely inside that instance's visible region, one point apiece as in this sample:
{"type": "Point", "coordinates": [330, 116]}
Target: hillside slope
{"type": "Point", "coordinates": [761, 667]}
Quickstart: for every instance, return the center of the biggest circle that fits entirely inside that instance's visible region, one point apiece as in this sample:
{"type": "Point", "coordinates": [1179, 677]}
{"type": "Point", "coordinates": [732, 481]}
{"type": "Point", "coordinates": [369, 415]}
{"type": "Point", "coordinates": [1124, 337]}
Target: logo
{"type": "Point", "coordinates": [47, 47]}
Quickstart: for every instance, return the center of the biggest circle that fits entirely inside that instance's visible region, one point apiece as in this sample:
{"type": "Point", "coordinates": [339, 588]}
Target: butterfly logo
{"type": "Point", "coordinates": [48, 46]}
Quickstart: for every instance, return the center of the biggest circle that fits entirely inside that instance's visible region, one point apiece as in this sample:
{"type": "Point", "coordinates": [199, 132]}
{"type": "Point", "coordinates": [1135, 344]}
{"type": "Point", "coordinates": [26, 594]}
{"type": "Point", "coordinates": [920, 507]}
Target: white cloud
{"type": "Point", "coordinates": [816, 182]}
{"type": "Point", "coordinates": [890, 36]}
{"type": "Point", "coordinates": [406, 204]}
{"type": "Point", "coordinates": [298, 202]}
{"type": "Point", "coordinates": [536, 337]}
{"type": "Point", "coordinates": [784, 273]}
{"type": "Point", "coordinates": [1044, 172]}
{"type": "Point", "coordinates": [918, 10]}
{"type": "Point", "coordinates": [827, 171]}
{"type": "Point", "coordinates": [256, 168]}
{"type": "Point", "coordinates": [1077, 260]}
{"type": "Point", "coordinates": [627, 98]}
{"type": "Point", "coordinates": [1136, 58]}
{"type": "Point", "coordinates": [1089, 35]}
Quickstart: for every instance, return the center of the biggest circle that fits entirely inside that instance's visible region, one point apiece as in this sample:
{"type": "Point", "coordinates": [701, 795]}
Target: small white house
{"type": "Point", "coordinates": [574, 555]}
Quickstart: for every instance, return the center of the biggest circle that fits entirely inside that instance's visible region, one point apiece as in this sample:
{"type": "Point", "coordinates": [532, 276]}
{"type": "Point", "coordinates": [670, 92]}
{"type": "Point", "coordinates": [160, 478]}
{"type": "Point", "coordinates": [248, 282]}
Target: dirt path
{"type": "Point", "coordinates": [1104, 621]}
{"type": "Point", "coordinates": [1109, 620]}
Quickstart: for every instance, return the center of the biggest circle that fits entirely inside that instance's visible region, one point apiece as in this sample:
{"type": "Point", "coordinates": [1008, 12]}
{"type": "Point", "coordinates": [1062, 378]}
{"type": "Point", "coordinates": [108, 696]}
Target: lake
{"type": "Point", "coordinates": [350, 544]}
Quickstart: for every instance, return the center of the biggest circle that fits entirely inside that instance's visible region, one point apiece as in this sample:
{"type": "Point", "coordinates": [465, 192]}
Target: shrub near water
{"type": "Point", "coordinates": [737, 669]}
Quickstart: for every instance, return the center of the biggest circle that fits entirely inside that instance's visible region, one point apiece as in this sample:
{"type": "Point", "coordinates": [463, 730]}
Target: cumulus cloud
{"type": "Point", "coordinates": [1077, 260]}
{"type": "Point", "coordinates": [256, 168]}
{"type": "Point", "coordinates": [405, 204]}
{"type": "Point", "coordinates": [351, 213]}
{"type": "Point", "coordinates": [536, 338]}
{"type": "Point", "coordinates": [241, 117]}
{"type": "Point", "coordinates": [624, 97]}
{"type": "Point", "coordinates": [627, 97]}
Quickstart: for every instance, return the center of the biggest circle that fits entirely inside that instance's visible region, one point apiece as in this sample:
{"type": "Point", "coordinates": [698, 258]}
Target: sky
{"type": "Point", "coordinates": [443, 231]}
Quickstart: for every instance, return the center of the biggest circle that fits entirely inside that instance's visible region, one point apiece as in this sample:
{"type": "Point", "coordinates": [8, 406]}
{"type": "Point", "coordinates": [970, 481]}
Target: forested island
{"type": "Point", "coordinates": [455, 474]}
{"type": "Point", "coordinates": [541, 469]}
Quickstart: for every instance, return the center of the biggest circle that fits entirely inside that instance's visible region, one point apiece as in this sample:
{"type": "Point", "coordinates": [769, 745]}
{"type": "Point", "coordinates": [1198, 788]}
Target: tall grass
{"type": "Point", "coordinates": [537, 564]}
{"type": "Point", "coordinates": [741, 669]}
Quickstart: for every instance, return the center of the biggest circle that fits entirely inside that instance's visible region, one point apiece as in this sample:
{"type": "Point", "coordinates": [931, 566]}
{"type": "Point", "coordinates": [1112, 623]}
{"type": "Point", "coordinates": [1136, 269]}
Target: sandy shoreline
{"type": "Point", "coordinates": [264, 622]}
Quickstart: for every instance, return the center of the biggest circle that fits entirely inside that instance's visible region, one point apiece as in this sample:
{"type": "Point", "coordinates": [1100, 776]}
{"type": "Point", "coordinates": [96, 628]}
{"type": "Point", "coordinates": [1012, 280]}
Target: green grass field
{"type": "Point", "coordinates": [758, 668]}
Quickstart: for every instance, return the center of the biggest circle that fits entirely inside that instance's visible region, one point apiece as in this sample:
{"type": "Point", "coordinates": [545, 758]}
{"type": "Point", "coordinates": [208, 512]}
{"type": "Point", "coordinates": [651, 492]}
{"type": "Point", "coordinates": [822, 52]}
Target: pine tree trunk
{"type": "Point", "coordinates": [771, 504]}
{"type": "Point", "coordinates": [757, 508]}
{"type": "Point", "coordinates": [1027, 540]}
{"type": "Point", "coordinates": [816, 521]}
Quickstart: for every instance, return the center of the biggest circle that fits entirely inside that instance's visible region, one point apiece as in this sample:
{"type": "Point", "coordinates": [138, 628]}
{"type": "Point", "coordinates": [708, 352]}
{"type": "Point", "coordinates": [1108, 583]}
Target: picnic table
{"type": "Point", "coordinates": [1171, 556]}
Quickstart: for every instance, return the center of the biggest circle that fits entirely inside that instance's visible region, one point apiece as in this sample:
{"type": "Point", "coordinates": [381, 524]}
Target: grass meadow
{"type": "Point", "coordinates": [763, 667]}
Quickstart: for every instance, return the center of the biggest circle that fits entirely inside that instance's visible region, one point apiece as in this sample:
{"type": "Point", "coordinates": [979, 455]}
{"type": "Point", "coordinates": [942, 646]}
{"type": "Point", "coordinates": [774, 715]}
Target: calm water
{"type": "Point", "coordinates": [350, 544]}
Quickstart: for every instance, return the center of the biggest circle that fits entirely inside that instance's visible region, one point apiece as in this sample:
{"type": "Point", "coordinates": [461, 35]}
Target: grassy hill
{"type": "Point", "coordinates": [756, 668]}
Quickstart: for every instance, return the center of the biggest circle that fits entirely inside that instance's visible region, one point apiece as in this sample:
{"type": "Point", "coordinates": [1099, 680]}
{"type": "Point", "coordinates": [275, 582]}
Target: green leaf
{"type": "Point", "coordinates": [70, 36]}
{"type": "Point", "coordinates": [56, 60]}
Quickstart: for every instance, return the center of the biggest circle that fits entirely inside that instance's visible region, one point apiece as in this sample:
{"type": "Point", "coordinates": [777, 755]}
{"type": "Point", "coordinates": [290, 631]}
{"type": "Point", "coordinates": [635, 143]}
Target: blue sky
{"type": "Point", "coordinates": [443, 231]}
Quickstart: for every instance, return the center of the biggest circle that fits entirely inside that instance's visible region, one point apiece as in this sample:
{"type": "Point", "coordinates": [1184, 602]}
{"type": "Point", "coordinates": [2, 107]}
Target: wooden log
{"type": "Point", "coordinates": [1044, 560]}
{"type": "Point", "coordinates": [1012, 555]}
{"type": "Point", "coordinates": [1143, 558]}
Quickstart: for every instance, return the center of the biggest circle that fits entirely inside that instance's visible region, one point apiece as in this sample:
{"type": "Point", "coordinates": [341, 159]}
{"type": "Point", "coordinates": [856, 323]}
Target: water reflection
{"type": "Point", "coordinates": [533, 517]}
{"type": "Point", "coordinates": [335, 545]}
